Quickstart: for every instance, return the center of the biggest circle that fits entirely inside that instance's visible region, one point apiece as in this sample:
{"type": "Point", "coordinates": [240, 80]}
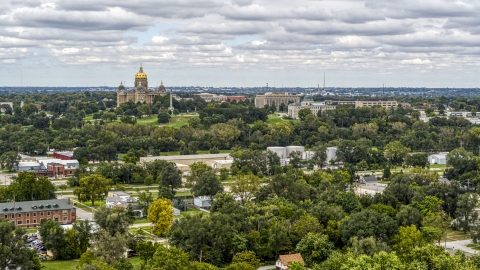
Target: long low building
{"type": "Point", "coordinates": [275, 99]}
{"type": "Point", "coordinates": [189, 159]}
{"type": "Point", "coordinates": [28, 214]}
{"type": "Point", "coordinates": [308, 103]}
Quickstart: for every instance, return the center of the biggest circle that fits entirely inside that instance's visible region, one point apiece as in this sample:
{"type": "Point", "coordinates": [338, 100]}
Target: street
{"type": "Point", "coordinates": [460, 245]}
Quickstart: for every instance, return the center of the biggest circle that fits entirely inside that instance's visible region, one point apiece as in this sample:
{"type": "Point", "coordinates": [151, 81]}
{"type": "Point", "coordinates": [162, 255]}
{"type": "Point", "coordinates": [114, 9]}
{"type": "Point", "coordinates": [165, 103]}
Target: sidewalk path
{"type": "Point", "coordinates": [460, 245]}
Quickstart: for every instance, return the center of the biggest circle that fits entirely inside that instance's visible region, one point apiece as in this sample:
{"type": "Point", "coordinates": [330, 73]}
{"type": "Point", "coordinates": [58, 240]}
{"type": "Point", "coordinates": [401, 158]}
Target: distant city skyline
{"type": "Point", "coordinates": [243, 43]}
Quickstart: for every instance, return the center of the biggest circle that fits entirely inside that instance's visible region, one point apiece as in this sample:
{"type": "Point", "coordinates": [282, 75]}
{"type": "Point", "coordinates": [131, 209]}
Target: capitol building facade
{"type": "Point", "coordinates": [140, 92]}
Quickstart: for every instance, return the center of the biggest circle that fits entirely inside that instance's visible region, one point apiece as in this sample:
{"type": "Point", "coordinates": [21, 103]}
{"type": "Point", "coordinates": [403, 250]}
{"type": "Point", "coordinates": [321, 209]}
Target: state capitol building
{"type": "Point", "coordinates": [140, 92]}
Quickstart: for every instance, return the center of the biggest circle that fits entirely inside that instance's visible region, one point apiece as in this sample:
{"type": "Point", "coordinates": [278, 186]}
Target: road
{"type": "Point", "coordinates": [460, 245]}
{"type": "Point", "coordinates": [5, 178]}
{"type": "Point", "coordinates": [82, 214]}
{"type": "Point", "coordinates": [268, 267]}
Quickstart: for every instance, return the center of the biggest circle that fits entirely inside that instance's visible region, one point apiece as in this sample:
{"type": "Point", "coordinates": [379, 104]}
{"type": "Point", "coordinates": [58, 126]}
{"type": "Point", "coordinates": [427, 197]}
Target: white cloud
{"type": "Point", "coordinates": [371, 36]}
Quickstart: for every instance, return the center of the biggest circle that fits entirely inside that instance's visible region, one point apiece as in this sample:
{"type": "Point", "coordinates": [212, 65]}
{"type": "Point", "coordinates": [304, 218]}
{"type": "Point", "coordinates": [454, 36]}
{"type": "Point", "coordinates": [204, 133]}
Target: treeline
{"type": "Point", "coordinates": [318, 216]}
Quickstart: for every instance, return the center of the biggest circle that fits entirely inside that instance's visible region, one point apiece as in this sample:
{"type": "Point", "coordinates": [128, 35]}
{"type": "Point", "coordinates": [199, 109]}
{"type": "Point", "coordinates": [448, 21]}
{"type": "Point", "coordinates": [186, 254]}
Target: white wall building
{"type": "Point", "coordinates": [308, 103]}
{"type": "Point", "coordinates": [440, 158]}
{"type": "Point", "coordinates": [202, 201]}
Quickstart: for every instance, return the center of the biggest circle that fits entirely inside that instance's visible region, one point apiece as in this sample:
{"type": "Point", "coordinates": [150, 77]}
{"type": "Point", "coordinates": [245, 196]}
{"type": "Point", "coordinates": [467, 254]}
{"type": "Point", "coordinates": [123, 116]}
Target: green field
{"type": "Point", "coordinates": [71, 264]}
{"type": "Point", "coordinates": [274, 118]}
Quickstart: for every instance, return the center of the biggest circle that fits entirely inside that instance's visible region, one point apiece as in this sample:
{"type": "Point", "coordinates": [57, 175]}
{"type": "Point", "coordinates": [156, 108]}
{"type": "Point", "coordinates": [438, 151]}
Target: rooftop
{"type": "Point", "coordinates": [286, 259]}
{"type": "Point", "coordinates": [29, 206]}
{"type": "Point", "coordinates": [172, 158]}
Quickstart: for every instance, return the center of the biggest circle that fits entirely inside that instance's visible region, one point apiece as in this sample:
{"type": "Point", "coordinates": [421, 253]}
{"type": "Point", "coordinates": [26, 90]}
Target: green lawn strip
{"type": "Point", "coordinates": [59, 265]}
{"type": "Point", "coordinates": [456, 236]}
{"type": "Point", "coordinates": [474, 246]}
{"type": "Point", "coordinates": [31, 230]}
{"type": "Point", "coordinates": [88, 117]}
{"type": "Point", "coordinates": [72, 264]}
{"type": "Point", "coordinates": [141, 220]}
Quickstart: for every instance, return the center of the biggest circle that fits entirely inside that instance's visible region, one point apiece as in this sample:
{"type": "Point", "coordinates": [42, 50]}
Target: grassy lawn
{"type": "Point", "coordinates": [438, 166]}
{"type": "Point", "coordinates": [59, 265]}
{"type": "Point", "coordinates": [456, 235]}
{"type": "Point", "coordinates": [190, 211]}
{"type": "Point", "coordinates": [30, 230]}
{"type": "Point", "coordinates": [141, 220]}
{"type": "Point", "coordinates": [183, 193]}
{"type": "Point", "coordinates": [150, 120]}
{"type": "Point", "coordinates": [71, 264]}
{"type": "Point", "coordinates": [88, 117]}
{"type": "Point", "coordinates": [274, 118]}
{"type": "Point", "coordinates": [474, 246]}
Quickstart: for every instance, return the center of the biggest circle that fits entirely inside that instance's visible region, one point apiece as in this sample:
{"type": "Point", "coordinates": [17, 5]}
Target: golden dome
{"type": "Point", "coordinates": [140, 74]}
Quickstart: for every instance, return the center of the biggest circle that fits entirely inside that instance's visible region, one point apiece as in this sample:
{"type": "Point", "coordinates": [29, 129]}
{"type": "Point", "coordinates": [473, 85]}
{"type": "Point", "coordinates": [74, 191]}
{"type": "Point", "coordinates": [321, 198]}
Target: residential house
{"type": "Point", "coordinates": [202, 202]}
{"type": "Point", "coordinates": [283, 261]}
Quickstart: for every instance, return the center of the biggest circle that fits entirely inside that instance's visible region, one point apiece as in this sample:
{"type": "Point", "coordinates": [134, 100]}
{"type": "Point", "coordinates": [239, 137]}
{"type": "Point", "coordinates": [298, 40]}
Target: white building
{"type": "Point", "coordinates": [211, 97]}
{"type": "Point", "coordinates": [202, 201]}
{"type": "Point", "coordinates": [308, 103]}
{"type": "Point", "coordinates": [331, 153]}
{"type": "Point", "coordinates": [275, 99]}
{"type": "Point", "coordinates": [440, 158]}
{"type": "Point", "coordinates": [370, 103]}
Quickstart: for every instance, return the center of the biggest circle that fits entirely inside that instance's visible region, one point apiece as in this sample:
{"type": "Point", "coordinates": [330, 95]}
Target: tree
{"type": "Point", "coordinates": [314, 248]}
{"type": "Point", "coordinates": [368, 223]}
{"type": "Point", "coordinates": [396, 152]}
{"type": "Point", "coordinates": [207, 184]}
{"type": "Point", "coordinates": [247, 257]}
{"type": "Point", "coordinates": [128, 119]}
{"type": "Point", "coordinates": [171, 258]}
{"type": "Point", "coordinates": [171, 176]}
{"type": "Point", "coordinates": [27, 187]}
{"type": "Point", "coordinates": [145, 198]}
{"type": "Point", "coordinates": [92, 188]}
{"type": "Point", "coordinates": [83, 230]}
{"type": "Point", "coordinates": [160, 213]}
{"type": "Point", "coordinates": [113, 220]}
{"type": "Point", "coordinates": [13, 250]}
{"type": "Point", "coordinates": [53, 235]}
{"type": "Point", "coordinates": [406, 240]}
{"type": "Point", "coordinates": [109, 248]}
{"type": "Point", "coordinates": [240, 266]}
{"type": "Point", "coordinates": [319, 156]}
{"type": "Point", "coordinates": [163, 117]}
{"type": "Point", "coordinates": [466, 216]}
{"type": "Point", "coordinates": [245, 187]}
{"type": "Point", "coordinates": [417, 160]}
{"type": "Point", "coordinates": [303, 113]}
{"type": "Point", "coordinates": [295, 159]}
{"type": "Point", "coordinates": [9, 160]}
{"type": "Point", "coordinates": [304, 225]}
{"type": "Point", "coordinates": [146, 250]}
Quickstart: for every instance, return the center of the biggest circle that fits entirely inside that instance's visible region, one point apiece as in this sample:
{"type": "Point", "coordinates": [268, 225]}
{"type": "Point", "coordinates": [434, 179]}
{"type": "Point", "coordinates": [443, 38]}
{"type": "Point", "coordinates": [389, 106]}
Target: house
{"type": "Point", "coordinates": [440, 158]}
{"type": "Point", "coordinates": [28, 214]}
{"type": "Point", "coordinates": [118, 193]}
{"type": "Point", "coordinates": [444, 181]}
{"type": "Point", "coordinates": [202, 201]}
{"type": "Point", "coordinates": [284, 260]}
{"type": "Point", "coordinates": [368, 179]}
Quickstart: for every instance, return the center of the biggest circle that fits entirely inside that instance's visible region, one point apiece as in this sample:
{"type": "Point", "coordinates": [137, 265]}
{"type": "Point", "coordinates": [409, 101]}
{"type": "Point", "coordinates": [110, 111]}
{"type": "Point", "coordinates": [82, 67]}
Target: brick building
{"type": "Point", "coordinates": [63, 155]}
{"type": "Point", "coordinates": [237, 98]}
{"type": "Point", "coordinates": [29, 213]}
{"type": "Point", "coordinates": [60, 169]}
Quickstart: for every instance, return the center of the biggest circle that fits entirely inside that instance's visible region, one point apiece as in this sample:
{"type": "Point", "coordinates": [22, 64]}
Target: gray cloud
{"type": "Point", "coordinates": [378, 36]}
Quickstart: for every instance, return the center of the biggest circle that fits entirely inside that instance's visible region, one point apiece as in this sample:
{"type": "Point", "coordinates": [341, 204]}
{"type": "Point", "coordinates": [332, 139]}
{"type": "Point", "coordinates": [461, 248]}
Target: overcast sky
{"type": "Point", "coordinates": [419, 43]}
